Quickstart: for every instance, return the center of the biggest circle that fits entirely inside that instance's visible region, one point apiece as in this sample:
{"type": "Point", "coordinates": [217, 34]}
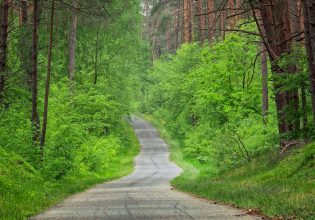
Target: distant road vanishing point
{"type": "Point", "coordinates": [144, 194]}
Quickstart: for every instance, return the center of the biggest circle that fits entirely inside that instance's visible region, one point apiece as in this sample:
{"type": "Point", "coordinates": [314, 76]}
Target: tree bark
{"type": "Point", "coordinates": [231, 5]}
{"type": "Point", "coordinates": [211, 24]}
{"type": "Point", "coordinates": [295, 20]}
{"type": "Point", "coordinates": [24, 40]}
{"type": "Point", "coordinates": [175, 27]}
{"type": "Point", "coordinates": [309, 29]}
{"type": "Point", "coordinates": [201, 21]}
{"type": "Point", "coordinates": [73, 40]}
{"type": "Point", "coordinates": [264, 74]}
{"type": "Point", "coordinates": [187, 21]}
{"type": "Point", "coordinates": [276, 24]}
{"type": "Point", "coordinates": [4, 22]}
{"type": "Point", "coordinates": [35, 116]}
{"type": "Point", "coordinates": [47, 85]}
{"type": "Point", "coordinates": [96, 59]}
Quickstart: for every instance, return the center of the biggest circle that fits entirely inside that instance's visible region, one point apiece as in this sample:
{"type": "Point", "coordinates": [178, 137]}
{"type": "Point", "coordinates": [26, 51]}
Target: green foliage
{"type": "Point", "coordinates": [210, 98]}
{"type": "Point", "coordinates": [88, 137]}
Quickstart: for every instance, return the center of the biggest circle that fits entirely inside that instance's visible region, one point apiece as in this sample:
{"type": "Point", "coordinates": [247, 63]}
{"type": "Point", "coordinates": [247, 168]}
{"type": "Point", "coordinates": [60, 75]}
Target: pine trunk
{"type": "Point", "coordinates": [35, 116]}
{"type": "Point", "coordinates": [276, 24]}
{"type": "Point", "coordinates": [4, 16]}
{"type": "Point", "coordinates": [211, 23]}
{"type": "Point", "coordinates": [264, 73]}
{"type": "Point", "coordinates": [201, 21]}
{"type": "Point", "coordinates": [47, 85]}
{"type": "Point", "coordinates": [309, 29]}
{"type": "Point", "coordinates": [73, 41]}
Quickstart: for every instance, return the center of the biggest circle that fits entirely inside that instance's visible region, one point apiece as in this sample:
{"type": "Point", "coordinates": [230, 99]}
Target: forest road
{"type": "Point", "coordinates": [144, 194]}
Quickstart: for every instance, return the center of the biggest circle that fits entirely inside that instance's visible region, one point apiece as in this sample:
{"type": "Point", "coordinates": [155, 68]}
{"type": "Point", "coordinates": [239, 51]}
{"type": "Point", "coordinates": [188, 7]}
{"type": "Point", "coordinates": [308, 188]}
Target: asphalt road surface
{"type": "Point", "coordinates": [144, 194]}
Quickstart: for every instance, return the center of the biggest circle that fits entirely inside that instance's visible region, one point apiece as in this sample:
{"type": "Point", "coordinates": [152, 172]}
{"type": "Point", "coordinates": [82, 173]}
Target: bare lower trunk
{"type": "Point", "coordinates": [24, 39]}
{"type": "Point", "coordinates": [96, 59]}
{"type": "Point", "coordinates": [211, 24]}
{"type": "Point", "coordinates": [73, 41]}
{"type": "Point", "coordinates": [276, 24]}
{"type": "Point", "coordinates": [35, 116]}
{"type": "Point", "coordinates": [309, 26]}
{"type": "Point", "coordinates": [201, 21]}
{"type": "Point", "coordinates": [44, 127]}
{"type": "Point", "coordinates": [187, 21]}
{"type": "Point", "coordinates": [4, 22]}
{"type": "Point", "coordinates": [295, 19]}
{"type": "Point", "coordinates": [175, 27]}
{"type": "Point", "coordinates": [264, 73]}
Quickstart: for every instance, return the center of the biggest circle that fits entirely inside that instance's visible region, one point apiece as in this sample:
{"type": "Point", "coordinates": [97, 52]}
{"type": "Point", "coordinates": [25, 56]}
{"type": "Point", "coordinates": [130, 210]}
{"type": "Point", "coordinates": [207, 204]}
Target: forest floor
{"type": "Point", "coordinates": [278, 187]}
{"type": "Point", "coordinates": [145, 194]}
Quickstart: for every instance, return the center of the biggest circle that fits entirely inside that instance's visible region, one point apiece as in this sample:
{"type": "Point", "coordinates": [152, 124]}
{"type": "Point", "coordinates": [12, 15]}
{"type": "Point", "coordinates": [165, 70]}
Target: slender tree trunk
{"type": "Point", "coordinates": [295, 19]}
{"type": "Point", "coordinates": [44, 127]}
{"type": "Point", "coordinates": [96, 59]}
{"type": "Point", "coordinates": [146, 20]}
{"type": "Point", "coordinates": [231, 5]}
{"type": "Point", "coordinates": [167, 37]}
{"type": "Point", "coordinates": [201, 21]}
{"type": "Point", "coordinates": [35, 116]}
{"type": "Point", "coordinates": [25, 42]}
{"type": "Point", "coordinates": [182, 23]}
{"type": "Point", "coordinates": [309, 27]}
{"type": "Point", "coordinates": [4, 22]}
{"type": "Point", "coordinates": [73, 41]}
{"type": "Point", "coordinates": [304, 110]}
{"type": "Point", "coordinates": [187, 21]}
{"type": "Point", "coordinates": [175, 27]}
{"type": "Point", "coordinates": [223, 17]}
{"type": "Point", "coordinates": [264, 73]}
{"type": "Point", "coordinates": [155, 40]}
{"type": "Point", "coordinates": [211, 24]}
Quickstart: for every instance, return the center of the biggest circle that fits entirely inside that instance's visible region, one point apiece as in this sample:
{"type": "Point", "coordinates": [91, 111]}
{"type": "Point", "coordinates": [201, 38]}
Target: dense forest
{"type": "Point", "coordinates": [67, 76]}
{"type": "Point", "coordinates": [233, 83]}
{"type": "Point", "coordinates": [229, 83]}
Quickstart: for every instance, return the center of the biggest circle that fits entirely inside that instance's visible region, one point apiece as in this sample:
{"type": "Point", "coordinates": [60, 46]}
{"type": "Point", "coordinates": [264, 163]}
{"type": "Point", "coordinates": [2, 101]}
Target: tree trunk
{"type": "Point", "coordinates": [309, 27]}
{"type": "Point", "coordinates": [24, 43]}
{"type": "Point", "coordinates": [73, 41]}
{"type": "Point", "coordinates": [201, 21]}
{"type": "Point", "coordinates": [44, 127]}
{"type": "Point", "coordinates": [96, 59]}
{"type": "Point", "coordinates": [187, 21]}
{"type": "Point", "coordinates": [35, 116]}
{"type": "Point", "coordinates": [276, 24]}
{"type": "Point", "coordinates": [223, 17]}
{"type": "Point", "coordinates": [4, 22]}
{"type": "Point", "coordinates": [175, 27]}
{"type": "Point", "coordinates": [264, 73]}
{"type": "Point", "coordinates": [146, 20]}
{"type": "Point", "coordinates": [167, 37]}
{"type": "Point", "coordinates": [211, 24]}
{"type": "Point", "coordinates": [231, 5]}
{"type": "Point", "coordinates": [295, 19]}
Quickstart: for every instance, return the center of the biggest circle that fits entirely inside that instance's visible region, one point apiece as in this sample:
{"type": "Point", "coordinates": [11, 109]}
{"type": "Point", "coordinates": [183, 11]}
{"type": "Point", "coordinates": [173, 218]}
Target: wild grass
{"type": "Point", "coordinates": [277, 186]}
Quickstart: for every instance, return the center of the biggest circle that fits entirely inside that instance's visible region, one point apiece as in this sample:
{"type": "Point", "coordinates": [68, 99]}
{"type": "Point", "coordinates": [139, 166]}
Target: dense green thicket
{"type": "Point", "coordinates": [206, 101]}
{"type": "Point", "coordinates": [210, 98]}
{"type": "Point", "coordinates": [88, 134]}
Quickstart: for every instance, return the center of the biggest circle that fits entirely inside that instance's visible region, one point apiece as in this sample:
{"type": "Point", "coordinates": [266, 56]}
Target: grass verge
{"type": "Point", "coordinates": [278, 187]}
{"type": "Point", "coordinates": [24, 192]}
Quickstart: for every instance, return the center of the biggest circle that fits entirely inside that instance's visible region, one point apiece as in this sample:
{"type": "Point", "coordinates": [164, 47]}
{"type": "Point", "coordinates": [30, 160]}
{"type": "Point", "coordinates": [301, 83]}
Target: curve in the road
{"type": "Point", "coordinates": [145, 194]}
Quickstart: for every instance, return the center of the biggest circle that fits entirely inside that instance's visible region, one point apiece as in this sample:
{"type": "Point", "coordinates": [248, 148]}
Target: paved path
{"type": "Point", "coordinates": [144, 194]}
